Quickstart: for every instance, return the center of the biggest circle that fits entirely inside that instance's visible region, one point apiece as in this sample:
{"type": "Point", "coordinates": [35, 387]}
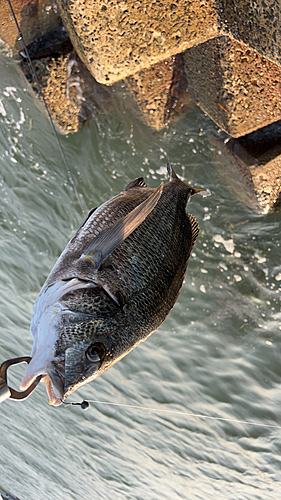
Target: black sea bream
{"type": "Point", "coordinates": [113, 285]}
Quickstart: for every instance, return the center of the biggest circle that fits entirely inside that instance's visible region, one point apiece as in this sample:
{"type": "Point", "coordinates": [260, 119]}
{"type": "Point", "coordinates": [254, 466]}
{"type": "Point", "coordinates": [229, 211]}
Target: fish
{"type": "Point", "coordinates": [113, 285]}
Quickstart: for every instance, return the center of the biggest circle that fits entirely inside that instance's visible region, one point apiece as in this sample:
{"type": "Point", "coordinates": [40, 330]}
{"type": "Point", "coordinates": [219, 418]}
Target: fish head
{"type": "Point", "coordinates": [76, 353]}
{"type": "Point", "coordinates": [84, 361]}
{"type": "Point", "coordinates": [71, 348]}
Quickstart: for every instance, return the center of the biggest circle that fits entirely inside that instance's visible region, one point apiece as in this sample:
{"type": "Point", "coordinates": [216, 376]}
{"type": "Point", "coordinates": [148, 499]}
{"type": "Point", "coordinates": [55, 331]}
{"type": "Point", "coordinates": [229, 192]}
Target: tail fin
{"type": "Point", "coordinates": [173, 176]}
{"type": "Point", "coordinates": [171, 171]}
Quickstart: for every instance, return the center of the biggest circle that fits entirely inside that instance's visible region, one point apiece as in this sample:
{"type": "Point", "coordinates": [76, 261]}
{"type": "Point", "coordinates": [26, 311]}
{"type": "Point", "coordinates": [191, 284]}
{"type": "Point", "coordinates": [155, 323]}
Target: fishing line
{"type": "Point", "coordinates": [21, 39]}
{"type": "Point", "coordinates": [85, 405]}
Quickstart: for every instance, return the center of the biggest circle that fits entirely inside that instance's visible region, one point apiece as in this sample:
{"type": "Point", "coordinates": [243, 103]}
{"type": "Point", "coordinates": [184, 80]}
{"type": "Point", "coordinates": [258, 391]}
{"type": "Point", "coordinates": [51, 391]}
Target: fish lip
{"type": "Point", "coordinates": [54, 381]}
{"type": "Point", "coordinates": [55, 385]}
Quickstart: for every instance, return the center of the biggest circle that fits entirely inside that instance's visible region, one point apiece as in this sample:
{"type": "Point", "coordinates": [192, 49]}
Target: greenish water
{"type": "Point", "coordinates": [217, 354]}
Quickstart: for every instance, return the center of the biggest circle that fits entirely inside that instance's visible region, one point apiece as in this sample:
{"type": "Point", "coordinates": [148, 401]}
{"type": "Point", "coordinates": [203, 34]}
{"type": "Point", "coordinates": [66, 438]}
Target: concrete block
{"type": "Point", "coordinates": [250, 167]}
{"type": "Point", "coordinates": [237, 87]}
{"type": "Point", "coordinates": [256, 23]}
{"type": "Point", "coordinates": [117, 39]}
{"type": "Point", "coordinates": [160, 92]}
{"type": "Point", "coordinates": [72, 95]}
{"type": "Point", "coordinates": [35, 18]}
{"type": "Point", "coordinates": [233, 83]}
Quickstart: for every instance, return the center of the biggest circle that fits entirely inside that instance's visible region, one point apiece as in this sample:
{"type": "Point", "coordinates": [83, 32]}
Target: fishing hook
{"type": "Point", "coordinates": [84, 405]}
{"type": "Point", "coordinates": [7, 392]}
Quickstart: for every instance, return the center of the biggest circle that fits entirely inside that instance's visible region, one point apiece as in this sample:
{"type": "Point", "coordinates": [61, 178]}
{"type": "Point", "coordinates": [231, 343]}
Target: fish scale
{"type": "Point", "coordinates": [113, 285]}
{"type": "Point", "coordinates": [147, 248]}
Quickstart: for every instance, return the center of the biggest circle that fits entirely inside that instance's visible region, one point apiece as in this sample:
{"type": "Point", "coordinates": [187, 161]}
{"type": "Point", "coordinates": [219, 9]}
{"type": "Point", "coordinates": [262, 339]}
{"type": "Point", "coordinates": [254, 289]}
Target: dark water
{"type": "Point", "coordinates": [217, 354]}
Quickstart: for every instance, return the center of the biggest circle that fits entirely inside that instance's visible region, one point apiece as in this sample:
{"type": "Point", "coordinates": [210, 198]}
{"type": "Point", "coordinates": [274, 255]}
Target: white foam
{"type": "Point", "coordinates": [228, 244]}
{"type": "Point", "coordinates": [2, 109]}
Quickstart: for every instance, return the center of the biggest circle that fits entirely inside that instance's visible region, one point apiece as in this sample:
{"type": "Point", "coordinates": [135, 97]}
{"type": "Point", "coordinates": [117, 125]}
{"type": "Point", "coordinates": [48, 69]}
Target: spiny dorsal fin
{"type": "Point", "coordinates": [194, 229]}
{"type": "Point", "coordinates": [111, 237]}
{"type": "Point", "coordinates": [83, 223]}
{"type": "Point", "coordinates": [136, 183]}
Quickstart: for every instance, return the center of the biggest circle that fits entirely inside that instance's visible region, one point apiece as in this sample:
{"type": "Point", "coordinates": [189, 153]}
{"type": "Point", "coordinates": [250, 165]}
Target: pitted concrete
{"type": "Point", "coordinates": [118, 39]}
{"type": "Point", "coordinates": [34, 18]}
{"type": "Point", "coordinates": [237, 87]}
{"type": "Point", "coordinates": [71, 93]}
{"type": "Point", "coordinates": [232, 62]}
{"type": "Point", "coordinates": [256, 23]}
{"type": "Point", "coordinates": [250, 167]}
{"type": "Point", "coordinates": [160, 92]}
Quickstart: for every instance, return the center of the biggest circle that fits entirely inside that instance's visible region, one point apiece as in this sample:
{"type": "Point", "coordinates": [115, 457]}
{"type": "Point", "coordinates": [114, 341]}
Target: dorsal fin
{"type": "Point", "coordinates": [194, 229]}
{"type": "Point", "coordinates": [83, 223]}
{"type": "Point", "coordinates": [139, 182]}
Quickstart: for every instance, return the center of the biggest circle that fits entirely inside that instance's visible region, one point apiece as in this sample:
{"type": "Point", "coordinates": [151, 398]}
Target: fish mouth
{"type": "Point", "coordinates": [55, 384]}
{"type": "Point", "coordinates": [54, 381]}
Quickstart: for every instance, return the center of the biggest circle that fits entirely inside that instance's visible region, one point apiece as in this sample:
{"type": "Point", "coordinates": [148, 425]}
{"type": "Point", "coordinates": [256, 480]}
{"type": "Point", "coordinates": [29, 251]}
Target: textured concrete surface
{"type": "Point", "coordinates": [160, 92]}
{"type": "Point", "coordinates": [118, 39]}
{"type": "Point", "coordinates": [256, 23]}
{"type": "Point", "coordinates": [250, 167]}
{"type": "Point", "coordinates": [35, 18]}
{"type": "Point", "coordinates": [142, 42]}
{"type": "Point", "coordinates": [71, 93]}
{"type": "Point", "coordinates": [237, 87]}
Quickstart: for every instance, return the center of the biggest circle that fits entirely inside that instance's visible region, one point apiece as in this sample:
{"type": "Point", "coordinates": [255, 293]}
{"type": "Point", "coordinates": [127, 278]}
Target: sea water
{"type": "Point", "coordinates": [216, 355]}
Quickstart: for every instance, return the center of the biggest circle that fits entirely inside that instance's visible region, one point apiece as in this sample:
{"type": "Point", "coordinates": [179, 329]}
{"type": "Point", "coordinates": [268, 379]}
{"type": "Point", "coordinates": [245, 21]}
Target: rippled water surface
{"type": "Point", "coordinates": [217, 354]}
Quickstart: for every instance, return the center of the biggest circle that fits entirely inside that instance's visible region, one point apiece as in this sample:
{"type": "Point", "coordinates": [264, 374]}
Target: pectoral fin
{"type": "Point", "coordinates": [111, 237]}
{"type": "Point", "coordinates": [194, 229]}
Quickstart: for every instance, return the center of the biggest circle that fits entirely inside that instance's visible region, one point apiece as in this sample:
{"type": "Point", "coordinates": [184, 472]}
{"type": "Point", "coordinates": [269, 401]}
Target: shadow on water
{"type": "Point", "coordinates": [217, 353]}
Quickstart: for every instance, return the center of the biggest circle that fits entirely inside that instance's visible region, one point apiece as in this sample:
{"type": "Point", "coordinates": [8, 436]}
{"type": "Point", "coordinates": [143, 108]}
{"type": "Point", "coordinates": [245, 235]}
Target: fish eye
{"type": "Point", "coordinates": [95, 352]}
